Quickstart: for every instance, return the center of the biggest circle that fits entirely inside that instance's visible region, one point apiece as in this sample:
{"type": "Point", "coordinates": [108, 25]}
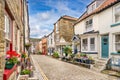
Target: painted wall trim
{"type": "Point", "coordinates": [116, 24]}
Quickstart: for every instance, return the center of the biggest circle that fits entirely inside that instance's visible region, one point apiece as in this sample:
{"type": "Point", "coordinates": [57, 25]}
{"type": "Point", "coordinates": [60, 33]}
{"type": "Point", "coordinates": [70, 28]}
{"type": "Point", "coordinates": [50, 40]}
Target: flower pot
{"type": "Point", "coordinates": [89, 61]}
{"type": "Point", "coordinates": [9, 66]}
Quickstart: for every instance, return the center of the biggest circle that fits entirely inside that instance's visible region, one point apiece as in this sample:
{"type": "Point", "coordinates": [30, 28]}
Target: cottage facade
{"type": "Point", "coordinates": [63, 32]}
{"type": "Point", "coordinates": [98, 29]}
{"type": "Point", "coordinates": [51, 43]}
{"type": "Point", "coordinates": [12, 28]}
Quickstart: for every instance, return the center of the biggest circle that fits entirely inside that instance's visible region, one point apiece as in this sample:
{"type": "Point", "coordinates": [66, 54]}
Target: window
{"type": "Point", "coordinates": [57, 38]}
{"type": "Point", "coordinates": [85, 44]}
{"type": "Point", "coordinates": [93, 7]}
{"type": "Point", "coordinates": [117, 13]}
{"type": "Point", "coordinates": [51, 41]}
{"type": "Point", "coordinates": [57, 28]}
{"type": "Point", "coordinates": [92, 44]}
{"type": "Point", "coordinates": [7, 27]}
{"type": "Point", "coordinates": [89, 25]}
{"type": "Point", "coordinates": [117, 42]}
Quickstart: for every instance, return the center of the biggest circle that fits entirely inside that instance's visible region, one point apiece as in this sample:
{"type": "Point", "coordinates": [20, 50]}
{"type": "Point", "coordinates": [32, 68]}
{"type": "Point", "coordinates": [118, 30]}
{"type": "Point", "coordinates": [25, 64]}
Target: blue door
{"type": "Point", "coordinates": [105, 46]}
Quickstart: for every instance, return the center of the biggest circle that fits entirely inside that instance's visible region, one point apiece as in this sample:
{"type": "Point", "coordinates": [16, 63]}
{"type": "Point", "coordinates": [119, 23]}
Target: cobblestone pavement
{"type": "Point", "coordinates": [58, 70]}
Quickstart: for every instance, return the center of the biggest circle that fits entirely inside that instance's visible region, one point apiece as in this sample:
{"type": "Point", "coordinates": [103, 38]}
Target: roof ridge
{"type": "Point", "coordinates": [69, 16]}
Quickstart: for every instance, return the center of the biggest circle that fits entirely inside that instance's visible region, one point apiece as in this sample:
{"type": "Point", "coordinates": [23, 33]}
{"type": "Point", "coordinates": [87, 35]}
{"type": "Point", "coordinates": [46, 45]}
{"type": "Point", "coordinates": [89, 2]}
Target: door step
{"type": "Point", "coordinates": [99, 65]}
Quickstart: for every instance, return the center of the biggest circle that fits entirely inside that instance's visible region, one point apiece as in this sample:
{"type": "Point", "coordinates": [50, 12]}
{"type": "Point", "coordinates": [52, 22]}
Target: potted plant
{"type": "Point", "coordinates": [40, 52]}
{"type": "Point", "coordinates": [23, 55]}
{"type": "Point", "coordinates": [11, 62]}
{"type": "Point", "coordinates": [77, 57]}
{"type": "Point", "coordinates": [118, 51]}
{"type": "Point", "coordinates": [67, 50]}
{"type": "Point", "coordinates": [89, 60]}
{"type": "Point", "coordinates": [55, 55]}
{"type": "Point", "coordinates": [27, 45]}
{"type": "Point", "coordinates": [25, 71]}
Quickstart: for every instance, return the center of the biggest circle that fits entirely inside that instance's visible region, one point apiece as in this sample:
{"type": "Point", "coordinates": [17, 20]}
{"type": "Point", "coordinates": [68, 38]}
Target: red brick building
{"type": "Point", "coordinates": [44, 45]}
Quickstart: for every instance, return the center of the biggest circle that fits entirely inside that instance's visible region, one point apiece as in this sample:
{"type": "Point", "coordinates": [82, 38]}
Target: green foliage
{"type": "Point", "coordinates": [118, 51]}
{"type": "Point", "coordinates": [90, 58]}
{"type": "Point", "coordinates": [83, 55]}
{"type": "Point", "coordinates": [56, 55]}
{"type": "Point", "coordinates": [77, 55]}
{"type": "Point", "coordinates": [25, 71]}
{"type": "Point", "coordinates": [72, 55]}
{"type": "Point", "coordinates": [39, 52]}
{"type": "Point", "coordinates": [27, 44]}
{"type": "Point", "coordinates": [67, 50]}
{"type": "Point", "coordinates": [12, 60]}
{"type": "Point", "coordinates": [23, 55]}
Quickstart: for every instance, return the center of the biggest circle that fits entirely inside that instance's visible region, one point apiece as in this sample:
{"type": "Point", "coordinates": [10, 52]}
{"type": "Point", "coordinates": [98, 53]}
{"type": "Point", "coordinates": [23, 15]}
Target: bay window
{"type": "Point", "coordinates": [117, 42]}
{"type": "Point", "coordinates": [92, 44]}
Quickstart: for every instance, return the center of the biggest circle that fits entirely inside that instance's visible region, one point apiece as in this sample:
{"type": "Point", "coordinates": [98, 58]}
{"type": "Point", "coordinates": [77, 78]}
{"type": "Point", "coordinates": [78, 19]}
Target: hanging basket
{"type": "Point", "coordinates": [27, 45]}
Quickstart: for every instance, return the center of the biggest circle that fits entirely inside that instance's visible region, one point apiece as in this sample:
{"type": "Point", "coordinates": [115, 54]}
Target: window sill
{"type": "Point", "coordinates": [116, 24]}
{"type": "Point", "coordinates": [115, 53]}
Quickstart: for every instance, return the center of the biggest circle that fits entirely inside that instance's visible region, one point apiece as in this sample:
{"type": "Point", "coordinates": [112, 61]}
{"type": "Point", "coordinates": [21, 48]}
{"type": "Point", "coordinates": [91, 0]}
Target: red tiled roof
{"type": "Point", "coordinates": [69, 17]}
{"type": "Point", "coordinates": [106, 4]}
{"type": "Point", "coordinates": [101, 7]}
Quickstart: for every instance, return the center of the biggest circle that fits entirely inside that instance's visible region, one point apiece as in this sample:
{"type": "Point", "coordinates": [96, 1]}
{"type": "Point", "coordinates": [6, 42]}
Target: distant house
{"type": "Point", "coordinates": [35, 45]}
{"type": "Point", "coordinates": [44, 45]}
{"type": "Point", "coordinates": [40, 46]}
{"type": "Point", "coordinates": [50, 43]}
{"type": "Point", "coordinates": [63, 32]}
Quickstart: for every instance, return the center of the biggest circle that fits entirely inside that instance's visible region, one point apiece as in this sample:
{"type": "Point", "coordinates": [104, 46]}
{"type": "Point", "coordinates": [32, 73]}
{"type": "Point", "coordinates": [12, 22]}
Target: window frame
{"type": "Point", "coordinates": [92, 44]}
{"type": "Point", "coordinates": [117, 42]}
{"type": "Point", "coordinates": [117, 13]}
{"type": "Point", "coordinates": [85, 46]}
{"type": "Point", "coordinates": [8, 26]}
{"type": "Point", "coordinates": [89, 25]}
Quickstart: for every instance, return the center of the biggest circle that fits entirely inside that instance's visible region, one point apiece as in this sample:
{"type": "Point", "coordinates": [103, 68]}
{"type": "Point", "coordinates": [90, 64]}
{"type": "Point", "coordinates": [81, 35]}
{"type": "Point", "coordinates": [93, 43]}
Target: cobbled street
{"type": "Point", "coordinates": [58, 70]}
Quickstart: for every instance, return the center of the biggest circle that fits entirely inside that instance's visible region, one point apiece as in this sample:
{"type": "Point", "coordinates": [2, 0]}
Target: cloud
{"type": "Point", "coordinates": [41, 22]}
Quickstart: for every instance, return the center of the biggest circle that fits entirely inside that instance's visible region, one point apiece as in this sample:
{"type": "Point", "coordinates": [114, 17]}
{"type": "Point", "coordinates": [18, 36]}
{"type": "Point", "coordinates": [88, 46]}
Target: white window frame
{"type": "Point", "coordinates": [85, 46]}
{"type": "Point", "coordinates": [88, 26]}
{"type": "Point", "coordinates": [117, 13]}
{"type": "Point", "coordinates": [117, 42]}
{"type": "Point", "coordinates": [7, 27]}
{"type": "Point", "coordinates": [92, 45]}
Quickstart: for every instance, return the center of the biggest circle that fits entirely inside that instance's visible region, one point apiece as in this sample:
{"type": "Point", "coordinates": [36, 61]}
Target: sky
{"type": "Point", "coordinates": [44, 13]}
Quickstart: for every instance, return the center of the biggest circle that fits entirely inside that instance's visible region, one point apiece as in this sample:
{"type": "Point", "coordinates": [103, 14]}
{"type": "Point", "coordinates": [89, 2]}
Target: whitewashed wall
{"type": "Point", "coordinates": [106, 19]}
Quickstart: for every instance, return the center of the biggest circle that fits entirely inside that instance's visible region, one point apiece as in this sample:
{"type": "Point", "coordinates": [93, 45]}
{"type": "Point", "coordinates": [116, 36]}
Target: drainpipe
{"type": "Point", "coordinates": [23, 26]}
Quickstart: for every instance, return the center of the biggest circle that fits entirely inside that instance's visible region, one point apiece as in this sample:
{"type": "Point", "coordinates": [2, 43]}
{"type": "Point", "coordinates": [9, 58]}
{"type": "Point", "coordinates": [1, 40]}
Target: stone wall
{"type": "Point", "coordinates": [15, 10]}
{"type": "Point", "coordinates": [2, 39]}
{"type": "Point", "coordinates": [65, 27]}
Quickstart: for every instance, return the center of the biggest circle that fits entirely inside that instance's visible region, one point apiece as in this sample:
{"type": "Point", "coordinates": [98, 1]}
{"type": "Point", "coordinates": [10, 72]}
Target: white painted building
{"type": "Point", "coordinates": [51, 43]}
{"type": "Point", "coordinates": [109, 28]}
{"type": "Point", "coordinates": [98, 29]}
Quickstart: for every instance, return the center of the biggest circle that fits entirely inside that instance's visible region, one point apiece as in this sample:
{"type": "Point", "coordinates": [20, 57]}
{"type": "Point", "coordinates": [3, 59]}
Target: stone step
{"type": "Point", "coordinates": [99, 65]}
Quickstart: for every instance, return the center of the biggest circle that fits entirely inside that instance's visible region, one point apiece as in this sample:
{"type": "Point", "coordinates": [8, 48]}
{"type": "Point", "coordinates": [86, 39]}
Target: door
{"type": "Point", "coordinates": [105, 46]}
